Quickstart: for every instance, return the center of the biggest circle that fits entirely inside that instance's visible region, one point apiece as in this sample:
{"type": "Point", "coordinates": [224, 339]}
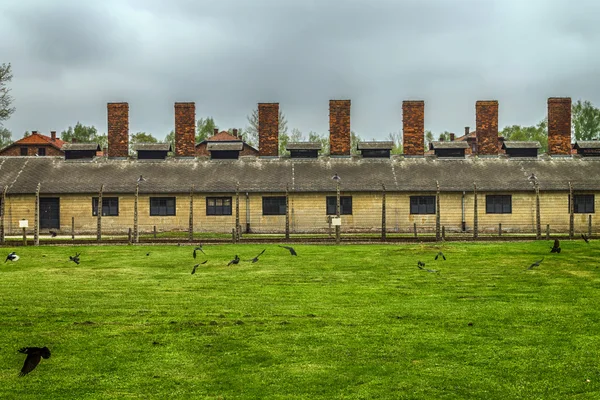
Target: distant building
{"type": "Point", "coordinates": [35, 144]}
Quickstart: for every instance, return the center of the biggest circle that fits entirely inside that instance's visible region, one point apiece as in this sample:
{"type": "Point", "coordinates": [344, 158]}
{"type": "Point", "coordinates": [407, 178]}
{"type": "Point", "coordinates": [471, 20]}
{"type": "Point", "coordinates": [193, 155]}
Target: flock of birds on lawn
{"type": "Point", "coordinates": [35, 354]}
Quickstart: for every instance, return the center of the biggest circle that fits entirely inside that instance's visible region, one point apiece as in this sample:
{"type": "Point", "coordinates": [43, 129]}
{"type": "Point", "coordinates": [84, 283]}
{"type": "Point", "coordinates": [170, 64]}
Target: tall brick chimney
{"type": "Point", "coordinates": [467, 130]}
{"type": "Point", "coordinates": [413, 127]}
{"type": "Point", "coordinates": [118, 129]}
{"type": "Point", "coordinates": [53, 135]}
{"type": "Point", "coordinates": [185, 129]}
{"type": "Point", "coordinates": [486, 120]}
{"type": "Point", "coordinates": [339, 128]}
{"type": "Point", "coordinates": [559, 126]}
{"type": "Point", "coordinates": [268, 129]}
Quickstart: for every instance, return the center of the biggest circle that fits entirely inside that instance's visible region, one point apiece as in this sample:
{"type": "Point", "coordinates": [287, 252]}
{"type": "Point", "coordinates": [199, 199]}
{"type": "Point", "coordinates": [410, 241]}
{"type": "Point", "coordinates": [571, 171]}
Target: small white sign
{"type": "Point", "coordinates": [336, 221]}
{"type": "Point", "coordinates": [23, 223]}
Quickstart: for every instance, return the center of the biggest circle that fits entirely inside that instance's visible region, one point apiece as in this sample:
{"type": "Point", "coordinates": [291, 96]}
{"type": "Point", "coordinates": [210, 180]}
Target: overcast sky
{"type": "Point", "coordinates": [69, 58]}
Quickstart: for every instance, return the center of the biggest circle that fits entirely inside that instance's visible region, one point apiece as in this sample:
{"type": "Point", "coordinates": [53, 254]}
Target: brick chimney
{"type": "Point", "coordinates": [452, 136]}
{"type": "Point", "coordinates": [34, 132]}
{"type": "Point", "coordinates": [118, 129]}
{"type": "Point", "coordinates": [53, 135]}
{"type": "Point", "coordinates": [185, 129]}
{"type": "Point", "coordinates": [413, 127]}
{"type": "Point", "coordinates": [339, 128]}
{"type": "Point", "coordinates": [486, 117]}
{"type": "Point", "coordinates": [467, 130]}
{"type": "Point", "coordinates": [268, 129]}
{"type": "Point", "coordinates": [215, 131]}
{"type": "Point", "coordinates": [235, 132]}
{"type": "Point", "coordinates": [559, 126]}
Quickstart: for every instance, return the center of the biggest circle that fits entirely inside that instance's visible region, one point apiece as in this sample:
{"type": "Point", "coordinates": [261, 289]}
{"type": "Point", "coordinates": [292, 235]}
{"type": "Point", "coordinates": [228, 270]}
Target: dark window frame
{"type": "Point", "coordinates": [345, 205]}
{"type": "Point", "coordinates": [422, 205]}
{"type": "Point", "coordinates": [41, 151]}
{"type": "Point", "coordinates": [110, 206]}
{"type": "Point", "coordinates": [583, 204]}
{"type": "Point", "coordinates": [498, 204]}
{"type": "Point", "coordinates": [214, 208]}
{"type": "Point", "coordinates": [24, 150]}
{"type": "Point", "coordinates": [163, 206]}
{"type": "Point", "coordinates": [273, 205]}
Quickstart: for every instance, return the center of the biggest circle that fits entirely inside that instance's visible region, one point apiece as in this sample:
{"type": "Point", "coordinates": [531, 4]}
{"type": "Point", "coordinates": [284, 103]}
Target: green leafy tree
{"type": "Point", "coordinates": [205, 128]}
{"type": "Point", "coordinates": [428, 139]}
{"type": "Point", "coordinates": [5, 137]}
{"type": "Point", "coordinates": [319, 138]}
{"type": "Point", "coordinates": [252, 127]}
{"type": "Point", "coordinates": [444, 136]}
{"type": "Point", "coordinates": [170, 138]}
{"type": "Point", "coordinates": [537, 132]}
{"type": "Point", "coordinates": [354, 140]}
{"type": "Point", "coordinates": [81, 133]}
{"type": "Point", "coordinates": [142, 137]}
{"type": "Point", "coordinates": [6, 99]}
{"type": "Point", "coordinates": [285, 138]}
{"type": "Point", "coordinates": [585, 120]}
{"type": "Point", "coordinates": [396, 139]}
{"type": "Point", "coordinates": [241, 134]}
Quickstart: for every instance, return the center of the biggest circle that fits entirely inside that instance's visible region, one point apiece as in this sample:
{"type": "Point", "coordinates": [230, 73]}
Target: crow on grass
{"type": "Point", "coordinates": [75, 258]}
{"type": "Point", "coordinates": [440, 254]}
{"type": "Point", "coordinates": [12, 257]}
{"type": "Point", "coordinates": [291, 250]}
{"type": "Point", "coordinates": [255, 259]}
{"type": "Point", "coordinates": [535, 264]}
{"type": "Point", "coordinates": [34, 356]}
{"type": "Point", "coordinates": [556, 247]}
{"type": "Point", "coordinates": [198, 248]}
{"type": "Point", "coordinates": [236, 260]}
{"type": "Point", "coordinates": [197, 265]}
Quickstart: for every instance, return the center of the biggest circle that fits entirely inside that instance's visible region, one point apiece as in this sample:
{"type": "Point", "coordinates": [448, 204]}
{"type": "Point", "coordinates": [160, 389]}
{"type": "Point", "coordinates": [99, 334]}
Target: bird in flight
{"type": "Point", "coordinates": [556, 247]}
{"type": "Point", "coordinates": [12, 257]}
{"type": "Point", "coordinates": [420, 264]}
{"type": "Point", "coordinates": [198, 248]}
{"type": "Point", "coordinates": [141, 179]}
{"type": "Point", "coordinates": [236, 260]}
{"type": "Point", "coordinates": [197, 265]}
{"type": "Point", "coordinates": [255, 259]}
{"type": "Point", "coordinates": [440, 254]}
{"type": "Point", "coordinates": [75, 258]}
{"type": "Point", "coordinates": [585, 238]}
{"type": "Point", "coordinates": [535, 264]}
{"type": "Point", "coordinates": [336, 177]}
{"type": "Point", "coordinates": [53, 233]}
{"type": "Point", "coordinates": [34, 356]}
{"type": "Point", "coordinates": [291, 250]}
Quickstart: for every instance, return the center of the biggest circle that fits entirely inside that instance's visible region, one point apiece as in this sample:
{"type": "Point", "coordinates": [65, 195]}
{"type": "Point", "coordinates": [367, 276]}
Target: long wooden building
{"type": "Point", "coordinates": [266, 193]}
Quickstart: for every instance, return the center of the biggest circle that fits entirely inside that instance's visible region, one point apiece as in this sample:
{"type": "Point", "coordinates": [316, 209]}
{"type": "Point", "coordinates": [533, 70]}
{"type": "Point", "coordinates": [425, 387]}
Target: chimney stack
{"type": "Point", "coordinates": [559, 126]}
{"type": "Point", "coordinates": [413, 127]}
{"type": "Point", "coordinates": [185, 129]}
{"type": "Point", "coordinates": [339, 128]}
{"type": "Point", "coordinates": [53, 135]}
{"type": "Point", "coordinates": [467, 130]}
{"type": "Point", "coordinates": [118, 130]}
{"type": "Point", "coordinates": [452, 137]}
{"type": "Point", "coordinates": [215, 131]}
{"type": "Point", "coordinates": [33, 132]}
{"type": "Point", "coordinates": [235, 132]}
{"type": "Point", "coordinates": [486, 116]}
{"type": "Point", "coordinates": [268, 129]}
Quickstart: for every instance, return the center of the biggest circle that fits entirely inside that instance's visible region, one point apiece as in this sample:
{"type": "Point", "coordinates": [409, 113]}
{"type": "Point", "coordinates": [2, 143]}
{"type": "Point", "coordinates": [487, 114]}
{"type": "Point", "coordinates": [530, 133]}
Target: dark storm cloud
{"type": "Point", "coordinates": [71, 57]}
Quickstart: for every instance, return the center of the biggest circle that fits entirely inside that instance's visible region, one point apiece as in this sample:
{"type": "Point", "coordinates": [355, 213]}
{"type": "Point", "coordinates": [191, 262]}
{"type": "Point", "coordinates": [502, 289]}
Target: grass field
{"type": "Point", "coordinates": [350, 321]}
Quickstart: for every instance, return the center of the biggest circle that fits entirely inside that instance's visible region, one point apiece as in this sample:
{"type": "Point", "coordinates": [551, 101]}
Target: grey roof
{"type": "Point", "coordinates": [152, 147]}
{"type": "Point", "coordinates": [454, 144]}
{"type": "Point", "coordinates": [254, 174]}
{"type": "Point", "coordinates": [303, 146]}
{"type": "Point", "coordinates": [375, 145]}
{"type": "Point", "coordinates": [587, 144]}
{"type": "Point", "coordinates": [211, 146]}
{"type": "Point", "coordinates": [80, 147]}
{"type": "Point", "coordinates": [521, 144]}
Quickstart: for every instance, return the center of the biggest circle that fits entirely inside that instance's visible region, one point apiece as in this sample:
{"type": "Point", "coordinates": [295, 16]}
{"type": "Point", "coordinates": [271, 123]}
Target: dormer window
{"type": "Point", "coordinates": [520, 148]}
{"type": "Point", "coordinates": [451, 149]}
{"type": "Point", "coordinates": [375, 149]}
{"type": "Point", "coordinates": [304, 149]}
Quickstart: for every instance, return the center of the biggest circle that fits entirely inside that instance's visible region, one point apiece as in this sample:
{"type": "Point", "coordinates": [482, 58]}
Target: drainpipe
{"type": "Point", "coordinates": [247, 213]}
{"type": "Point", "coordinates": [464, 224]}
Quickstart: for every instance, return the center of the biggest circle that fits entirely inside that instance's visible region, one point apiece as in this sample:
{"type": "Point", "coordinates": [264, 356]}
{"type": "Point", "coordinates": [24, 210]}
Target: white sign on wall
{"type": "Point", "coordinates": [336, 221]}
{"type": "Point", "coordinates": [23, 223]}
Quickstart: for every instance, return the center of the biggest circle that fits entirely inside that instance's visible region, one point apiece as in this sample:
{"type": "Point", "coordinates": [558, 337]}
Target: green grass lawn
{"type": "Point", "coordinates": [350, 321]}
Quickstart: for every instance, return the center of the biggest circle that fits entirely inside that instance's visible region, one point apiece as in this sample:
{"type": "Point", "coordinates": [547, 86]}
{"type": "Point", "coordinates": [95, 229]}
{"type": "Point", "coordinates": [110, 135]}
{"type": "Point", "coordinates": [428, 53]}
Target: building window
{"type": "Point", "coordinates": [345, 205]}
{"type": "Point", "coordinates": [160, 206]}
{"type": "Point", "coordinates": [273, 205]}
{"type": "Point", "coordinates": [218, 206]}
{"type": "Point", "coordinates": [23, 151]}
{"type": "Point", "coordinates": [498, 204]}
{"type": "Point", "coordinates": [41, 151]}
{"type": "Point", "coordinates": [422, 204]}
{"type": "Point", "coordinates": [583, 203]}
{"type": "Point", "coordinates": [110, 206]}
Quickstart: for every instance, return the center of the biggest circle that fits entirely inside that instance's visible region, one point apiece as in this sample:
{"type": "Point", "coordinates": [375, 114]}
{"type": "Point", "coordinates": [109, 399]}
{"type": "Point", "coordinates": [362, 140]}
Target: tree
{"type": "Point", "coordinates": [252, 129]}
{"type": "Point", "coordinates": [142, 137]}
{"type": "Point", "coordinates": [81, 133]}
{"type": "Point", "coordinates": [396, 139]}
{"type": "Point", "coordinates": [170, 138]}
{"type": "Point", "coordinates": [444, 136]}
{"type": "Point", "coordinates": [537, 132]}
{"type": "Point", "coordinates": [5, 98]}
{"type": "Point", "coordinates": [205, 128]}
{"type": "Point", "coordinates": [5, 137]}
{"type": "Point", "coordinates": [319, 138]}
{"type": "Point", "coordinates": [585, 120]}
{"type": "Point", "coordinates": [354, 139]}
{"type": "Point", "coordinates": [428, 138]}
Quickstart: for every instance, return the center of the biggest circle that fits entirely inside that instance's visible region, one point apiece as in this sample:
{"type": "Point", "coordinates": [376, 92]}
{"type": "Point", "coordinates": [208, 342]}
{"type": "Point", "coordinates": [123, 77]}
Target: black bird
{"type": "Point", "coordinates": [199, 247]}
{"type": "Point", "coordinates": [34, 356]}
{"type": "Point", "coordinates": [255, 259]}
{"type": "Point", "coordinates": [147, 254]}
{"type": "Point", "coordinates": [141, 179]}
{"type": "Point", "coordinates": [585, 237]}
{"type": "Point", "coordinates": [12, 257]}
{"type": "Point", "coordinates": [535, 264]}
{"type": "Point", "coordinates": [75, 258]}
{"type": "Point", "coordinates": [336, 177]}
{"type": "Point", "coordinates": [53, 233]}
{"type": "Point", "coordinates": [556, 247]}
{"type": "Point", "coordinates": [440, 254]}
{"type": "Point", "coordinates": [197, 265]}
{"type": "Point", "coordinates": [291, 249]}
{"type": "Point", "coordinates": [420, 264]}
{"type": "Point", "coordinates": [236, 260]}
